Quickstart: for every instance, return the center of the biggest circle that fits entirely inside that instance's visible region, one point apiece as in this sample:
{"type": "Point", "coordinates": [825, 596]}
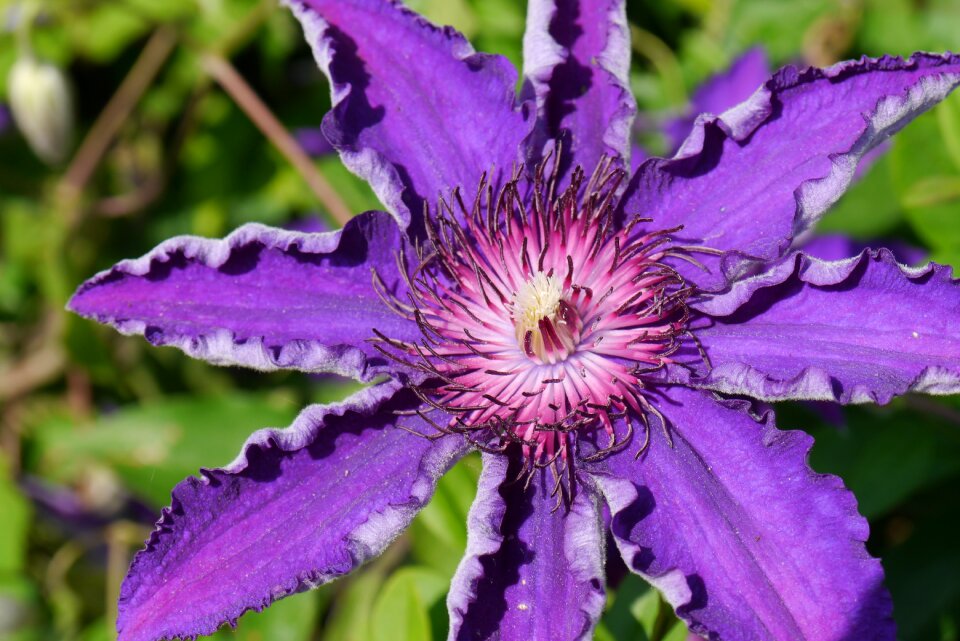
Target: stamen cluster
{"type": "Point", "coordinates": [541, 318]}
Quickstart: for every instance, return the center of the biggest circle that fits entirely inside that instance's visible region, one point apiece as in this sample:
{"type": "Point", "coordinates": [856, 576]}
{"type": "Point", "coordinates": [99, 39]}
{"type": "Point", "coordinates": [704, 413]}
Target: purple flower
{"type": "Point", "coordinates": [527, 298]}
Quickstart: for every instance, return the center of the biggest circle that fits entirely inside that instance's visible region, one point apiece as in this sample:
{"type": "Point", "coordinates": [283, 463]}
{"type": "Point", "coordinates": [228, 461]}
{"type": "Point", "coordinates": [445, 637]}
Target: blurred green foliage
{"type": "Point", "coordinates": [96, 428]}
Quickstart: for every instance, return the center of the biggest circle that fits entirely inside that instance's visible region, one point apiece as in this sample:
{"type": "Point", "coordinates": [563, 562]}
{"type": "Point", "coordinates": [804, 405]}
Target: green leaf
{"type": "Point", "coordinates": [678, 632]}
{"type": "Point", "coordinates": [921, 560]}
{"type": "Point", "coordinates": [355, 192]}
{"type": "Point", "coordinates": [289, 619]}
{"type": "Point", "coordinates": [154, 446]}
{"type": "Point", "coordinates": [918, 154]}
{"type": "Point", "coordinates": [634, 610]}
{"type": "Point", "coordinates": [902, 27]}
{"type": "Point", "coordinates": [948, 117]}
{"type": "Point", "coordinates": [351, 612]}
{"type": "Point", "coordinates": [869, 209]}
{"type": "Point", "coordinates": [602, 633]}
{"type": "Point", "coordinates": [456, 13]}
{"type": "Point", "coordinates": [16, 522]}
{"type": "Point", "coordinates": [932, 191]}
{"type": "Point", "coordinates": [647, 609]}
{"type": "Point", "coordinates": [402, 609]}
{"type": "Point", "coordinates": [165, 11]}
{"type": "Point", "coordinates": [98, 631]}
{"type": "Point", "coordinates": [885, 454]}
{"type": "Point", "coordinates": [947, 257]}
{"type": "Point", "coordinates": [778, 26]}
{"type": "Point", "coordinates": [103, 31]}
{"type": "Point", "coordinates": [440, 530]}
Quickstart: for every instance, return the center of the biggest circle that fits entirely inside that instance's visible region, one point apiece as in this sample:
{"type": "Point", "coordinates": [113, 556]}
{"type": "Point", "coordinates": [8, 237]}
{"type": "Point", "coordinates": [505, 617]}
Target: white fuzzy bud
{"type": "Point", "coordinates": [42, 105]}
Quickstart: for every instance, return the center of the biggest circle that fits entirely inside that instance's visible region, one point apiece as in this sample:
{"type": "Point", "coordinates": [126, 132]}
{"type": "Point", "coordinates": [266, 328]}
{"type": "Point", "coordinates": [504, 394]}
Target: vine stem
{"type": "Point", "coordinates": [234, 84]}
{"type": "Point", "coordinates": [115, 114]}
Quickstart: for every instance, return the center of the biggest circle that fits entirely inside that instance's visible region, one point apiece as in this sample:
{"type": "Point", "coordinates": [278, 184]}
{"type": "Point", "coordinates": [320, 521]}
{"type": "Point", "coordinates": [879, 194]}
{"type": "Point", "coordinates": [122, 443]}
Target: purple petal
{"type": "Point", "coordinates": [740, 535]}
{"type": "Point", "coordinates": [861, 330]}
{"type": "Point", "coordinates": [313, 141]}
{"type": "Point", "coordinates": [840, 247]}
{"type": "Point", "coordinates": [313, 223]}
{"type": "Point", "coordinates": [262, 297]}
{"type": "Point", "coordinates": [299, 507]}
{"type": "Point", "coordinates": [577, 60]}
{"type": "Point", "coordinates": [415, 110]}
{"type": "Point", "coordinates": [721, 92]}
{"type": "Point", "coordinates": [747, 183]}
{"type": "Point", "coordinates": [530, 572]}
{"type": "Point", "coordinates": [638, 155]}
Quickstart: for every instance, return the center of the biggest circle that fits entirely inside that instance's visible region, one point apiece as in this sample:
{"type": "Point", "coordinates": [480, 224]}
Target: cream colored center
{"type": "Point", "coordinates": [537, 298]}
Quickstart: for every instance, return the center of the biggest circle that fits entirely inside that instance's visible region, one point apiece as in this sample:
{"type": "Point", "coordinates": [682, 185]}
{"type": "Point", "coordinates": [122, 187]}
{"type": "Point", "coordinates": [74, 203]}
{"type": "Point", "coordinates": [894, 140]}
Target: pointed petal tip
{"type": "Point", "coordinates": [747, 182]}
{"type": "Point", "coordinates": [745, 539]}
{"type": "Point", "coordinates": [299, 507]}
{"type": "Point", "coordinates": [890, 331]}
{"type": "Point", "coordinates": [262, 297]}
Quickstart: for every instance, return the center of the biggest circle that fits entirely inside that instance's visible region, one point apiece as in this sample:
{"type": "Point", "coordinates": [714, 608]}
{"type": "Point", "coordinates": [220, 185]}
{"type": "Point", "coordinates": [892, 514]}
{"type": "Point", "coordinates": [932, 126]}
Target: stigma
{"type": "Point", "coordinates": [547, 325]}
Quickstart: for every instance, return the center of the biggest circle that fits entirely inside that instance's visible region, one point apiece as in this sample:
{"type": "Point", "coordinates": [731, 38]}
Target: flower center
{"type": "Point", "coordinates": [544, 316]}
{"type": "Point", "coordinates": [547, 326]}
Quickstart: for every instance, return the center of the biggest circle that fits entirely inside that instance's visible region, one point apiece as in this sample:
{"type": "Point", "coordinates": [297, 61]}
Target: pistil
{"type": "Point", "coordinates": [547, 325]}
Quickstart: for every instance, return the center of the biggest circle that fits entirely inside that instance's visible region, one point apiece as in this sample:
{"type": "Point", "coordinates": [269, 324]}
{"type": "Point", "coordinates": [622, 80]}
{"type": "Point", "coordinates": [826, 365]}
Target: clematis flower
{"type": "Point", "coordinates": [593, 334]}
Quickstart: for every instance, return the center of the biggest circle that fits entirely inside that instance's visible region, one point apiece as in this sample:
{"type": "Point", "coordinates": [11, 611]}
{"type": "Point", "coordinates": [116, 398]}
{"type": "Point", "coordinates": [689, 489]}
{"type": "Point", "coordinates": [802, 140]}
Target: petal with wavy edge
{"type": "Point", "coordinates": [577, 60]}
{"type": "Point", "coordinates": [860, 330]}
{"type": "Point", "coordinates": [262, 297]}
{"type": "Point", "coordinates": [299, 507]}
{"type": "Point", "coordinates": [746, 182]}
{"type": "Point", "coordinates": [840, 247]}
{"type": "Point", "coordinates": [726, 89]}
{"type": "Point", "coordinates": [529, 572]}
{"type": "Point", "coordinates": [740, 535]}
{"type": "Point", "coordinates": [416, 111]}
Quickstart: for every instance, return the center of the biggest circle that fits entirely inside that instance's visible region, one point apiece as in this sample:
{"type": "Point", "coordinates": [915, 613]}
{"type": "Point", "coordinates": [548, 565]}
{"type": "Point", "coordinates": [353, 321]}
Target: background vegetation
{"type": "Point", "coordinates": [96, 428]}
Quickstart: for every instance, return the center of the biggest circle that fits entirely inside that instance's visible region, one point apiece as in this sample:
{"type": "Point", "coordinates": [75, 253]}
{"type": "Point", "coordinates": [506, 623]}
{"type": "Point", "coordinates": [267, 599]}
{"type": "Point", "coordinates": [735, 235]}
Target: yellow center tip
{"type": "Point", "coordinates": [537, 298]}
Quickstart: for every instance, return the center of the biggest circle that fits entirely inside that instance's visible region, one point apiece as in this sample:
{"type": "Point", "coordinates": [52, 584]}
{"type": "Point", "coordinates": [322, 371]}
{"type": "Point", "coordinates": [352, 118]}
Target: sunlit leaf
{"type": "Point", "coordinates": [291, 619]}
{"type": "Point", "coordinates": [351, 611]}
{"type": "Point", "coordinates": [402, 609]}
{"type": "Point", "coordinates": [154, 446]}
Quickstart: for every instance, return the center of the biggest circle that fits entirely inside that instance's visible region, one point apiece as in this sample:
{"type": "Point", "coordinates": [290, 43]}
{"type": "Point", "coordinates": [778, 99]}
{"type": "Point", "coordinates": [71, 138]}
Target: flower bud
{"type": "Point", "coordinates": [42, 106]}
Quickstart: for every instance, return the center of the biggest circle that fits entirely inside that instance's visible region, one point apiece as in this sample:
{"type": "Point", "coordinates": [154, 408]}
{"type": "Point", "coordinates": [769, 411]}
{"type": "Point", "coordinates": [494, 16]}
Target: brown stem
{"type": "Point", "coordinates": [241, 92]}
{"type": "Point", "coordinates": [935, 408]}
{"type": "Point", "coordinates": [125, 204]}
{"type": "Point", "coordinates": [35, 370]}
{"type": "Point", "coordinates": [42, 362]}
{"type": "Point", "coordinates": [118, 109]}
